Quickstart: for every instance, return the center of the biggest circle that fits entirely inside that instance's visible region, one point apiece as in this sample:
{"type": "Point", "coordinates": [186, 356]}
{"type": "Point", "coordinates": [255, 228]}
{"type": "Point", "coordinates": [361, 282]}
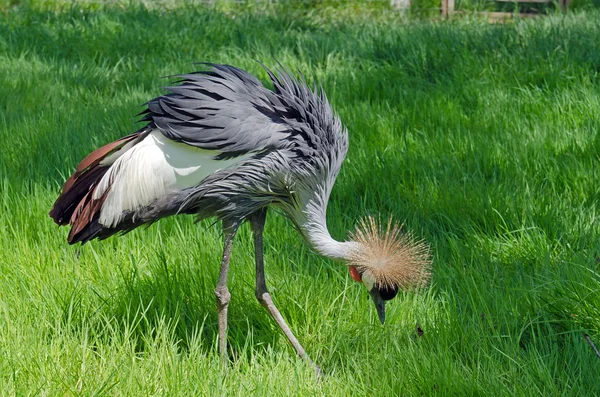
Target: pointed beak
{"type": "Point", "coordinates": [379, 304]}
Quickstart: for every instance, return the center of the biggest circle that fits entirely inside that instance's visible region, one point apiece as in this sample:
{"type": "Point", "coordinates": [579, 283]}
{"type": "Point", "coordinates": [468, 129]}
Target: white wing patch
{"type": "Point", "coordinates": [149, 170]}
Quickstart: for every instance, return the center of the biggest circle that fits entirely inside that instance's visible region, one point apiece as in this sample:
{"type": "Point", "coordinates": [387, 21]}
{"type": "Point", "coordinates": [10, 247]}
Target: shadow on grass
{"type": "Point", "coordinates": [174, 306]}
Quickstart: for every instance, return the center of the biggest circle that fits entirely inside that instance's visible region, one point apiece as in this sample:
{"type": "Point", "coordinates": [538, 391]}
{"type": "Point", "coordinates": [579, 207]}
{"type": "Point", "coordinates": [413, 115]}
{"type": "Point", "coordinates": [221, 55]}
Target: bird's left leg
{"type": "Point", "coordinates": [257, 221]}
{"type": "Point", "coordinates": [222, 292]}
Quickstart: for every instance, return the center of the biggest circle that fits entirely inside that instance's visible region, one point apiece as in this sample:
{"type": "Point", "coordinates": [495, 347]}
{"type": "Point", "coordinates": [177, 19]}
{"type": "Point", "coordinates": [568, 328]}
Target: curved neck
{"type": "Point", "coordinates": [310, 217]}
{"type": "Point", "coordinates": [314, 228]}
{"type": "Point", "coordinates": [319, 238]}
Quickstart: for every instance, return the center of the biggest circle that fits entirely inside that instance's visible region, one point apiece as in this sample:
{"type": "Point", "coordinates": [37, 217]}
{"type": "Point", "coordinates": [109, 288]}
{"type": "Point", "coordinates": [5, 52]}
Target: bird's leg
{"type": "Point", "coordinates": [257, 221]}
{"type": "Point", "coordinates": [222, 292]}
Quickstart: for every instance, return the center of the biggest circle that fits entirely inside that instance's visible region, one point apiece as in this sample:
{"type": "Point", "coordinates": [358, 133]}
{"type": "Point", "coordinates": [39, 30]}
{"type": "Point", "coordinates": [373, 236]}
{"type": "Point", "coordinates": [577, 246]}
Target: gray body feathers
{"type": "Point", "coordinates": [298, 144]}
{"type": "Point", "coordinates": [289, 144]}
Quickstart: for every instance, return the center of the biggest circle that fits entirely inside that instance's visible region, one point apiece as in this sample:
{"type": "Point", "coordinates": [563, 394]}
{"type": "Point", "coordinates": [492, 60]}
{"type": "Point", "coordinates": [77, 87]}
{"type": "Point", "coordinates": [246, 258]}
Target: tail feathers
{"type": "Point", "coordinates": [76, 205]}
{"type": "Point", "coordinates": [84, 215]}
{"type": "Point", "coordinates": [74, 192]}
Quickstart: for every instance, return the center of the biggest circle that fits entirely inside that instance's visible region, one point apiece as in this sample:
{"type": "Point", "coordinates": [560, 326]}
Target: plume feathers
{"type": "Point", "coordinates": [391, 257]}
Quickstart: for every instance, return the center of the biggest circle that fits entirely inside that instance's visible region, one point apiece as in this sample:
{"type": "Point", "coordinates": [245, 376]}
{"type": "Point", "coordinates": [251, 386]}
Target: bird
{"type": "Point", "coordinates": [220, 144]}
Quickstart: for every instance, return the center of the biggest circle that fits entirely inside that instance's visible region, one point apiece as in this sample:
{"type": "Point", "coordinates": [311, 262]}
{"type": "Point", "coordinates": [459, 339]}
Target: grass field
{"type": "Point", "coordinates": [483, 138]}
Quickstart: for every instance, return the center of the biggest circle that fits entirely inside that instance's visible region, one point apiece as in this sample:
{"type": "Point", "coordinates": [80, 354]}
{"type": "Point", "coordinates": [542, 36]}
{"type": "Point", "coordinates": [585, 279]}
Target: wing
{"type": "Point", "coordinates": [224, 109]}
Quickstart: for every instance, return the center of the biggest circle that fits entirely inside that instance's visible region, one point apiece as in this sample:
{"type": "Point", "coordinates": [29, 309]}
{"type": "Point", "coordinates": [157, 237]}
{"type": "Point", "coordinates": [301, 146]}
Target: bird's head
{"type": "Point", "coordinates": [386, 260]}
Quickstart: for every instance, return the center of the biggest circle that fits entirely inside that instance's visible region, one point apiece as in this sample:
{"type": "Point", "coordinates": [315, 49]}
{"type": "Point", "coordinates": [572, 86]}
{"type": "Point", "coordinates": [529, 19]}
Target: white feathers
{"type": "Point", "coordinates": [151, 169]}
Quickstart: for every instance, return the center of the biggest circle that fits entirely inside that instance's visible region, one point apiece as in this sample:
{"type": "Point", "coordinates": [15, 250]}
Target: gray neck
{"type": "Point", "coordinates": [314, 228]}
{"type": "Point", "coordinates": [319, 238]}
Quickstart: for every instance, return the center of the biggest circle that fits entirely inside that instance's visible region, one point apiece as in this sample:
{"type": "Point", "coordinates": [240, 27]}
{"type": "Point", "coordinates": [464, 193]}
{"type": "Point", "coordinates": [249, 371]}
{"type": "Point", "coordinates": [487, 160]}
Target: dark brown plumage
{"type": "Point", "coordinates": [76, 206]}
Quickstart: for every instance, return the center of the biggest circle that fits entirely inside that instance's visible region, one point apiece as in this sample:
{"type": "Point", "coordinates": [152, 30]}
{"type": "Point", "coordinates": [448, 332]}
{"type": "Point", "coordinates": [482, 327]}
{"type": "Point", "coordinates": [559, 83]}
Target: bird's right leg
{"type": "Point", "coordinates": [257, 221]}
{"type": "Point", "coordinates": [222, 292]}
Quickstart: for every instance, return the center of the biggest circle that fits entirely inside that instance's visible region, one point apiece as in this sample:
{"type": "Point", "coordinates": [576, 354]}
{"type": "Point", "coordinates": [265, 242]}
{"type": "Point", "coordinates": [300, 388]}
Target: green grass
{"type": "Point", "coordinates": [484, 138]}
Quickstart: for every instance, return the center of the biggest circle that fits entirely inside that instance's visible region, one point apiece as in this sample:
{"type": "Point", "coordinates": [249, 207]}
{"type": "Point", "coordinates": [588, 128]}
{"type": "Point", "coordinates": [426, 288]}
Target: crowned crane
{"type": "Point", "coordinates": [220, 144]}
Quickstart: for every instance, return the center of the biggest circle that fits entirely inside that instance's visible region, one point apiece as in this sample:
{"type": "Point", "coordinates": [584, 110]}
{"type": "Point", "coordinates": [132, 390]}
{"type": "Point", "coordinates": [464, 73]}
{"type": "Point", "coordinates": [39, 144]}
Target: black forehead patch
{"type": "Point", "coordinates": [388, 293]}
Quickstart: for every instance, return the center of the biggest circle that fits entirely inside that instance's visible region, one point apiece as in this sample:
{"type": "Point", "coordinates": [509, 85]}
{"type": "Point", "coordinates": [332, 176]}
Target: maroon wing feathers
{"type": "Point", "coordinates": [75, 205]}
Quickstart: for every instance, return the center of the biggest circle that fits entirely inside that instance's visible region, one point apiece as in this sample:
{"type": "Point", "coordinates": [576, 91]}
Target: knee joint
{"type": "Point", "coordinates": [263, 296]}
{"type": "Point", "coordinates": [223, 295]}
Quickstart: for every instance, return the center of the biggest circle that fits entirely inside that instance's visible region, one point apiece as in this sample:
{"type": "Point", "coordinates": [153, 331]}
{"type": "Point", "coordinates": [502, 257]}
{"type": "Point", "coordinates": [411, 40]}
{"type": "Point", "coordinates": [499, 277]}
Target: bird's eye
{"type": "Point", "coordinates": [388, 293]}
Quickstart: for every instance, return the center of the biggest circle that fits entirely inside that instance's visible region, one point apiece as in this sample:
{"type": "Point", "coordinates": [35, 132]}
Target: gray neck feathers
{"type": "Point", "coordinates": [312, 221]}
{"type": "Point", "coordinates": [318, 236]}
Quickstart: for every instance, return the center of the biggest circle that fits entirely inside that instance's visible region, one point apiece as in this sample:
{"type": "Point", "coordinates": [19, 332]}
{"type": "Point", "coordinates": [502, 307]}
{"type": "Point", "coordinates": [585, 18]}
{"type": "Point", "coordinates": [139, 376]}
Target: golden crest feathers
{"type": "Point", "coordinates": [391, 257]}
